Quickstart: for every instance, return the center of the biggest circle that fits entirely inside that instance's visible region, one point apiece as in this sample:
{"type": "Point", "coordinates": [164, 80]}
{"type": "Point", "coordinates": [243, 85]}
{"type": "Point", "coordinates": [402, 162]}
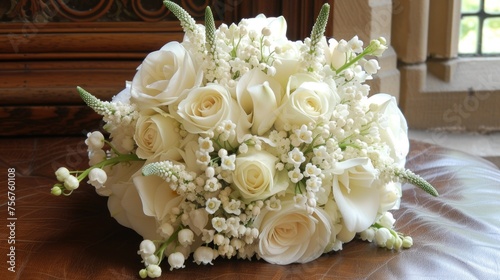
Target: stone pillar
{"type": "Point", "coordinates": [370, 19]}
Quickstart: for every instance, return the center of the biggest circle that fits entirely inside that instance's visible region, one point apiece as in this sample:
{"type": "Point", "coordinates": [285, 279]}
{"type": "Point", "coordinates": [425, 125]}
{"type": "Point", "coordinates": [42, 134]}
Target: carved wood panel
{"type": "Point", "coordinates": [116, 29]}
{"type": "Point", "coordinates": [300, 14]}
{"type": "Point", "coordinates": [48, 47]}
{"type": "Point", "coordinates": [94, 10]}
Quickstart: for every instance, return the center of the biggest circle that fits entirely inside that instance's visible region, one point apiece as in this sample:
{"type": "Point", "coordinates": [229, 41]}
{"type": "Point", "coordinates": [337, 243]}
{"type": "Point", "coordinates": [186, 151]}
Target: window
{"type": "Point", "coordinates": [439, 88]}
{"type": "Point", "coordinates": [480, 28]}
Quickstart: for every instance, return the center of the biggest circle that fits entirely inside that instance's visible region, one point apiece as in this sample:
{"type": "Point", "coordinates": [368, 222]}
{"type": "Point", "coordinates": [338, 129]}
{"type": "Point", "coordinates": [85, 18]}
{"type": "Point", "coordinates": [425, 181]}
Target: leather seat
{"type": "Point", "coordinates": [456, 235]}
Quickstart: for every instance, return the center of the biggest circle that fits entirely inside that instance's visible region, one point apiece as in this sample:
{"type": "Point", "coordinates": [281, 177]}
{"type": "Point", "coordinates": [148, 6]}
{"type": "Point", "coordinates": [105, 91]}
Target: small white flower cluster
{"type": "Point", "coordinates": [97, 177]}
{"type": "Point", "coordinates": [120, 119]}
{"type": "Point", "coordinates": [204, 195]}
{"type": "Point", "coordinates": [240, 48]}
{"type": "Point", "coordinates": [121, 126]}
{"type": "Point", "coordinates": [147, 251]}
{"type": "Point", "coordinates": [69, 182]}
{"type": "Point", "coordinates": [384, 235]}
{"type": "Point", "coordinates": [95, 143]}
{"type": "Point", "coordinates": [229, 141]}
{"type": "Point", "coordinates": [312, 59]}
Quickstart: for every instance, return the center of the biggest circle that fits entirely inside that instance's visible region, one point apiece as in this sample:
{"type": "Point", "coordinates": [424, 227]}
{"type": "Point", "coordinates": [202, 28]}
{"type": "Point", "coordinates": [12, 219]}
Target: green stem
{"type": "Point", "coordinates": [343, 146]}
{"type": "Point", "coordinates": [372, 47]}
{"type": "Point", "coordinates": [164, 245]}
{"type": "Point", "coordinates": [298, 187]}
{"type": "Point", "coordinates": [109, 161]}
{"type": "Point", "coordinates": [354, 60]}
{"type": "Point", "coordinates": [235, 48]}
{"type": "Point", "coordinates": [309, 148]}
{"type": "Point", "coordinates": [113, 148]}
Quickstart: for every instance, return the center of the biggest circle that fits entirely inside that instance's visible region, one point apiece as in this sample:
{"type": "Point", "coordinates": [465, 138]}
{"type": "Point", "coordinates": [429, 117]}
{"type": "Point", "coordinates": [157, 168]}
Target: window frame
{"type": "Point", "coordinates": [482, 16]}
{"type": "Point", "coordinates": [439, 89]}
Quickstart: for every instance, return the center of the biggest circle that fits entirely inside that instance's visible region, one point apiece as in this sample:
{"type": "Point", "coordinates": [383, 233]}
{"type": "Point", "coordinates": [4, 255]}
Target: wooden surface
{"type": "Point", "coordinates": [48, 120]}
{"type": "Point", "coordinates": [456, 236]}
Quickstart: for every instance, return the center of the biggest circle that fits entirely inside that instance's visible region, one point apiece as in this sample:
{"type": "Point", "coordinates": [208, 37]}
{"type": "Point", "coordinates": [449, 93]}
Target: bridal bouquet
{"type": "Point", "coordinates": [239, 143]}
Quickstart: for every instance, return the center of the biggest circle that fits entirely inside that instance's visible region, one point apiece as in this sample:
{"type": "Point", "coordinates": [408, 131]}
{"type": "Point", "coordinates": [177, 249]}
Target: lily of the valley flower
{"type": "Point", "coordinates": [97, 177]}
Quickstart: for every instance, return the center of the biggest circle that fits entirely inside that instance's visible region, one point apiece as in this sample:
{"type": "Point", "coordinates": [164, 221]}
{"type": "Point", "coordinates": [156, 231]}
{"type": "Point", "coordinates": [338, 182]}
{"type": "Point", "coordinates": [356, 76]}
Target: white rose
{"type": "Point", "coordinates": [356, 193]}
{"type": "Point", "coordinates": [393, 126]}
{"type": "Point", "coordinates": [156, 196]}
{"type": "Point", "coordinates": [259, 96]}
{"type": "Point", "coordinates": [119, 173]}
{"type": "Point", "coordinates": [125, 206]}
{"type": "Point", "coordinates": [332, 210]}
{"type": "Point", "coordinates": [255, 175]}
{"type": "Point", "coordinates": [156, 133]}
{"type": "Point", "coordinates": [163, 76]}
{"type": "Point", "coordinates": [288, 55]}
{"type": "Point", "coordinates": [204, 108]}
{"type": "Point", "coordinates": [188, 149]}
{"type": "Point", "coordinates": [306, 101]}
{"type": "Point", "coordinates": [292, 235]}
{"type": "Point", "coordinates": [124, 203]}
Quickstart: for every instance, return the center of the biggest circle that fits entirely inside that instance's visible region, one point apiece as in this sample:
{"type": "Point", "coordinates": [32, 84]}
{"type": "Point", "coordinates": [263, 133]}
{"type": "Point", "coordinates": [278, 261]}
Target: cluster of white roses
{"type": "Point", "coordinates": [237, 142]}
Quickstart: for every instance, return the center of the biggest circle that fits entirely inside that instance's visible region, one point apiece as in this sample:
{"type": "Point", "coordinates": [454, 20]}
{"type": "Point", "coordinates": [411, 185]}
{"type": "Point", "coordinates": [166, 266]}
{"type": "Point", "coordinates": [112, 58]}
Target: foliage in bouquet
{"type": "Point", "coordinates": [237, 142]}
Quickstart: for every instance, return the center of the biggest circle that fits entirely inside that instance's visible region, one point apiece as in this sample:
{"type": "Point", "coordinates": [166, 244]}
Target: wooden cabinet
{"type": "Point", "coordinates": [47, 48]}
